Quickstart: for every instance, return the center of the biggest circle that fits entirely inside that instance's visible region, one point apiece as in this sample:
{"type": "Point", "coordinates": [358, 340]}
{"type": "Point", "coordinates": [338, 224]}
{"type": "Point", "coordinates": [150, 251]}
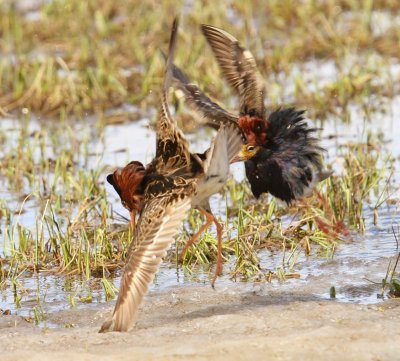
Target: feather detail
{"type": "Point", "coordinates": [172, 148]}
{"type": "Point", "coordinates": [239, 69]}
{"type": "Point", "coordinates": [160, 221]}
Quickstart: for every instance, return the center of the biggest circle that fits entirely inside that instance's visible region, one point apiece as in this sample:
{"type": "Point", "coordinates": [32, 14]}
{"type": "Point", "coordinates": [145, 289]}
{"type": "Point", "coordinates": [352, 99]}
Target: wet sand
{"type": "Point", "coordinates": [229, 323]}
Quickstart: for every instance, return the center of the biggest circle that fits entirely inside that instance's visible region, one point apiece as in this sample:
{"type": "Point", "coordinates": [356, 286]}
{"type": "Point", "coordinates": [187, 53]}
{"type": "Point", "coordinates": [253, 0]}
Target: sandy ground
{"type": "Point", "coordinates": [198, 323]}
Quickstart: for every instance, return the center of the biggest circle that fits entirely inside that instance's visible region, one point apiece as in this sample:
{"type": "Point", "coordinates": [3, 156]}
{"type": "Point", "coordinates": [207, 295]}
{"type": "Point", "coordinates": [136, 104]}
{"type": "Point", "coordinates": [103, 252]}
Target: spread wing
{"type": "Point", "coordinates": [223, 149]}
{"type": "Point", "coordinates": [212, 113]}
{"type": "Point", "coordinates": [162, 216]}
{"type": "Point", "coordinates": [239, 69]}
{"type": "Point", "coordinates": [225, 146]}
{"type": "Point", "coordinates": [172, 149]}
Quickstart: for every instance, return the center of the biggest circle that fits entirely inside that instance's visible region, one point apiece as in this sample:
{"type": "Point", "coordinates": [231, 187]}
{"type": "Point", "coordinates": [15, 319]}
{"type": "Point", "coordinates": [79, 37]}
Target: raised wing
{"type": "Point", "coordinates": [172, 149]}
{"type": "Point", "coordinates": [225, 146]}
{"type": "Point", "coordinates": [239, 69]}
{"type": "Point", "coordinates": [223, 149]}
{"type": "Point", "coordinates": [212, 113]}
{"type": "Point", "coordinates": [166, 202]}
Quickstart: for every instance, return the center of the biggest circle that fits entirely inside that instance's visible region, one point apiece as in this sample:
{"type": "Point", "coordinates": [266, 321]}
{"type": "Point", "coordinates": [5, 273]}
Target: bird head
{"type": "Point", "coordinates": [127, 183]}
{"type": "Point", "coordinates": [254, 128]}
{"type": "Point", "coordinates": [247, 152]}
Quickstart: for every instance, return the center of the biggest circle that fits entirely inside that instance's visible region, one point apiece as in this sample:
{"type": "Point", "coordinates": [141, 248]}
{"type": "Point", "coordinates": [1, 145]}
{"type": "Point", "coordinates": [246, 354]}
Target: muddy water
{"type": "Point", "coordinates": [351, 269]}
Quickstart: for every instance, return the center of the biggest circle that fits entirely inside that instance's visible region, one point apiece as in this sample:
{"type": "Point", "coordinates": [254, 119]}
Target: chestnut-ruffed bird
{"type": "Point", "coordinates": [161, 193]}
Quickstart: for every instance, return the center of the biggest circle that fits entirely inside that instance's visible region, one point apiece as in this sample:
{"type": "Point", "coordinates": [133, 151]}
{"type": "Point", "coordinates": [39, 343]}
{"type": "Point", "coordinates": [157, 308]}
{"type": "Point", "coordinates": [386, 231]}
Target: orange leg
{"type": "Point", "coordinates": [218, 268]}
{"type": "Point", "coordinates": [198, 233]}
{"type": "Point", "coordinates": [210, 218]}
{"type": "Point", "coordinates": [133, 220]}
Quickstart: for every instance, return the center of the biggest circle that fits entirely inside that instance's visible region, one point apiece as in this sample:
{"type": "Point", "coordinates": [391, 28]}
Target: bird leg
{"type": "Point", "coordinates": [133, 220]}
{"type": "Point", "coordinates": [198, 233]}
{"type": "Point", "coordinates": [218, 268]}
{"type": "Point", "coordinates": [210, 218]}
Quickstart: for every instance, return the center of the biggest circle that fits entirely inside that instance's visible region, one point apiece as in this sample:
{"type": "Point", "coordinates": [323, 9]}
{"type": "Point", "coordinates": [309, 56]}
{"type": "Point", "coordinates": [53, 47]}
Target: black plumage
{"type": "Point", "coordinates": [285, 165]}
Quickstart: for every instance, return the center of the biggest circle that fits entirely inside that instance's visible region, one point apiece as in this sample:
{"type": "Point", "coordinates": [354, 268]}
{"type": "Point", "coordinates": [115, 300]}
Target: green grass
{"type": "Point", "coordinates": [73, 232]}
{"type": "Point", "coordinates": [318, 223]}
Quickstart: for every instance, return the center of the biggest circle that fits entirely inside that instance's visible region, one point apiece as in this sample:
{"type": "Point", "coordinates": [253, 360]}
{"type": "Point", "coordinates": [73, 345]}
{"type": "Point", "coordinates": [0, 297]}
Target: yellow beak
{"type": "Point", "coordinates": [243, 155]}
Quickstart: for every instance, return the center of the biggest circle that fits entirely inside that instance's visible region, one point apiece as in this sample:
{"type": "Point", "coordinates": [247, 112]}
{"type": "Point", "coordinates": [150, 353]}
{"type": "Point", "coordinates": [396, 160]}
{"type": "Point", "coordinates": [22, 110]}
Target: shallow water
{"type": "Point", "coordinates": [366, 257]}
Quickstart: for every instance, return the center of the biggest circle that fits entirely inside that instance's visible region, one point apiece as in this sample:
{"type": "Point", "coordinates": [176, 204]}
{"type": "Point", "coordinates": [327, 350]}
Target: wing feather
{"type": "Point", "coordinates": [160, 221]}
{"type": "Point", "coordinates": [224, 147]}
{"type": "Point", "coordinates": [212, 113]}
{"type": "Point", "coordinates": [172, 148]}
{"type": "Point", "coordinates": [239, 69]}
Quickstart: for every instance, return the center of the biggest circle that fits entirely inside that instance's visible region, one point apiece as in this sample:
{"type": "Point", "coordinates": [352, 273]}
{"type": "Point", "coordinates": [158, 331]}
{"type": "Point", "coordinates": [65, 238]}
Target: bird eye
{"type": "Point", "coordinates": [250, 148]}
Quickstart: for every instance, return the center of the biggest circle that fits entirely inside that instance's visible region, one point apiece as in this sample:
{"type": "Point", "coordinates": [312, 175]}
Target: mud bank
{"type": "Point", "coordinates": [198, 323]}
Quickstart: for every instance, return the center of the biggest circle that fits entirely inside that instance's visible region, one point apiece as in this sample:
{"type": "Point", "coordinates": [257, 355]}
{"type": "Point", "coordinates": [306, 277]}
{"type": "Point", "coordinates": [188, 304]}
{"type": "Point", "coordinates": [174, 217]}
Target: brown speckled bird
{"type": "Point", "coordinates": [162, 192]}
{"type": "Point", "coordinates": [282, 156]}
